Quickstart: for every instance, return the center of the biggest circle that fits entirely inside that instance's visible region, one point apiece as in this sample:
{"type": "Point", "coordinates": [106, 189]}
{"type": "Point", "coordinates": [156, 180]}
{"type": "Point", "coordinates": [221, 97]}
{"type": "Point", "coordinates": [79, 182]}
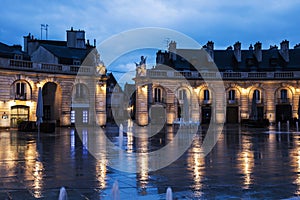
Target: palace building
{"type": "Point", "coordinates": [71, 76]}
{"type": "Point", "coordinates": [259, 84]}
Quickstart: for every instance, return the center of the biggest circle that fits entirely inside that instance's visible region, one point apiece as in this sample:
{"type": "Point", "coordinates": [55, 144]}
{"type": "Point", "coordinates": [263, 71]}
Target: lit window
{"type": "Point", "coordinates": [72, 116]}
{"type": "Point", "coordinates": [85, 116]}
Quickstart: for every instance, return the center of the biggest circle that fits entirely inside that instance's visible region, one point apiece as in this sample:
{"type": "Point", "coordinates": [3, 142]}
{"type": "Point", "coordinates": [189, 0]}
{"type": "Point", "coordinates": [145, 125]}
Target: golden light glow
{"type": "Point", "coordinates": [244, 91]}
{"type": "Point", "coordinates": [297, 90]}
{"type": "Point", "coordinates": [196, 164]}
{"type": "Point", "coordinates": [144, 88]}
{"type": "Point", "coordinates": [246, 162]}
{"type": "Point", "coordinates": [142, 158]}
{"type": "Point", "coordinates": [197, 89]}
{"type": "Point", "coordinates": [295, 164]}
{"type": "Point", "coordinates": [38, 179]}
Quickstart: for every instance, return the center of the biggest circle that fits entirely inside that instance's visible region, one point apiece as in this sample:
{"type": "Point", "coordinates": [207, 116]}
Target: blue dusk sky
{"type": "Point", "coordinates": [223, 22]}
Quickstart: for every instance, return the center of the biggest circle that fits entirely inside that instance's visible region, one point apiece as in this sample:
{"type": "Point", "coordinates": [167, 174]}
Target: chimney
{"type": "Point", "coordinates": [284, 50]}
{"type": "Point", "coordinates": [26, 40]}
{"type": "Point", "coordinates": [297, 46]}
{"type": "Point", "coordinates": [172, 50]}
{"type": "Point", "coordinates": [257, 51]}
{"type": "Point", "coordinates": [210, 49]}
{"type": "Point", "coordinates": [237, 51]}
{"type": "Point", "coordinates": [76, 39]}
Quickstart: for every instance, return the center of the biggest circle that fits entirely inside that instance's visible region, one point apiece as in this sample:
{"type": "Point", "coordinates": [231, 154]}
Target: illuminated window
{"type": "Point", "coordinates": [72, 116]}
{"type": "Point", "coordinates": [84, 116]}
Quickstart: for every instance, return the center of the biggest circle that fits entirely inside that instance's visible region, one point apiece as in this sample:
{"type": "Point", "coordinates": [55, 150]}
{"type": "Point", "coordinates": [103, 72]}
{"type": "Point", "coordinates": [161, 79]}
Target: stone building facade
{"type": "Point", "coordinates": [259, 84]}
{"type": "Point", "coordinates": [70, 73]}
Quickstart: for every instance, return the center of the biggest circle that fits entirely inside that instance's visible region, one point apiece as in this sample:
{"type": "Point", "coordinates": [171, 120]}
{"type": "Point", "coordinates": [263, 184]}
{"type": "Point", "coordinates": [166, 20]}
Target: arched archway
{"type": "Point", "coordinates": [52, 102]}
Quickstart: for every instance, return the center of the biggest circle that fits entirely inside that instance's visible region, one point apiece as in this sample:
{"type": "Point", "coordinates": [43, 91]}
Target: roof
{"type": "Point", "coordinates": [66, 52]}
{"type": "Point", "coordinates": [272, 60]}
{"type": "Point", "coordinates": [10, 51]}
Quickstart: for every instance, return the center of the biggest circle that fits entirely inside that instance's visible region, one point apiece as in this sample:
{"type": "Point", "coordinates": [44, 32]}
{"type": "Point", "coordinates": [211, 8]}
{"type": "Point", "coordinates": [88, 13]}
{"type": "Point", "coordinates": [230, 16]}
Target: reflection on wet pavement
{"type": "Point", "coordinates": [245, 163]}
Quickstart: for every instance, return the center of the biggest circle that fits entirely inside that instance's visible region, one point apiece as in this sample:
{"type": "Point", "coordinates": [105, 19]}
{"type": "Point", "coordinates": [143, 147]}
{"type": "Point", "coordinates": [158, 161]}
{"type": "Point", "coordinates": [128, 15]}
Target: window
{"type": "Point", "coordinates": [85, 116]}
{"type": "Point", "coordinates": [284, 96]}
{"type": "Point", "coordinates": [18, 114]}
{"type": "Point", "coordinates": [73, 116]}
{"type": "Point", "coordinates": [18, 57]}
{"type": "Point", "coordinates": [76, 62]}
{"type": "Point", "coordinates": [231, 95]}
{"type": "Point", "coordinates": [81, 91]}
{"type": "Point", "coordinates": [182, 94]}
{"type": "Point", "coordinates": [206, 95]}
{"type": "Point", "coordinates": [20, 91]}
{"type": "Point", "coordinates": [157, 95]}
{"type": "Point", "coordinates": [256, 95]}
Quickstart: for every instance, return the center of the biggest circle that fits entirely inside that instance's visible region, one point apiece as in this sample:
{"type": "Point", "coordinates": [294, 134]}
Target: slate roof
{"type": "Point", "coordinates": [7, 51]}
{"type": "Point", "coordinates": [225, 60]}
{"type": "Point", "coordinates": [66, 52]}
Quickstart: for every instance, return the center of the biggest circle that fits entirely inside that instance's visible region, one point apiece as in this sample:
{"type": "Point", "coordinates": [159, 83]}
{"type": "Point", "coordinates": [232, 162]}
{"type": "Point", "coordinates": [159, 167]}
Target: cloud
{"type": "Point", "coordinates": [221, 21]}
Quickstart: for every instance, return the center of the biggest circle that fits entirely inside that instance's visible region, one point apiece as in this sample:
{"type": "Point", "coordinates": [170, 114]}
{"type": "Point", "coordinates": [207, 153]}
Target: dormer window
{"type": "Point", "coordinates": [18, 57]}
{"type": "Point", "coordinates": [76, 62]}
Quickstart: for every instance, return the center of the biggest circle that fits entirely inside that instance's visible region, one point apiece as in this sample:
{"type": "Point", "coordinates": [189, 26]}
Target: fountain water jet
{"type": "Point", "coordinates": [115, 193]}
{"type": "Point", "coordinates": [297, 126]}
{"type": "Point", "coordinates": [63, 194]}
{"type": "Point", "coordinates": [288, 125]}
{"type": "Point", "coordinates": [169, 195]}
{"type": "Point", "coordinates": [278, 126]}
{"type": "Point", "coordinates": [121, 135]}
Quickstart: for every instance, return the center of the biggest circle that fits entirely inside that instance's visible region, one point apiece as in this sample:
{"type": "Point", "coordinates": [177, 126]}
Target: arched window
{"type": "Point", "coordinates": [182, 94]}
{"type": "Point", "coordinates": [284, 96]}
{"type": "Point", "coordinates": [231, 95]}
{"type": "Point", "coordinates": [206, 96]}
{"type": "Point", "coordinates": [157, 95]}
{"type": "Point", "coordinates": [81, 91]}
{"type": "Point", "coordinates": [256, 95]}
{"type": "Point", "coordinates": [21, 90]}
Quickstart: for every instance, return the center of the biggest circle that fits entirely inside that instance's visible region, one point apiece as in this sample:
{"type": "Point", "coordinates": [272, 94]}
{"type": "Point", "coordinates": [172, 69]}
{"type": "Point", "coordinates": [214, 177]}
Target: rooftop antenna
{"type": "Point", "coordinates": [45, 28]}
{"type": "Point", "coordinates": [167, 41]}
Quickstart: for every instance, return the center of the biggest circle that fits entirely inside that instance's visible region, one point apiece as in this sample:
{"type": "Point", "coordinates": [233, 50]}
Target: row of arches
{"type": "Point", "coordinates": [23, 97]}
{"type": "Point", "coordinates": [249, 103]}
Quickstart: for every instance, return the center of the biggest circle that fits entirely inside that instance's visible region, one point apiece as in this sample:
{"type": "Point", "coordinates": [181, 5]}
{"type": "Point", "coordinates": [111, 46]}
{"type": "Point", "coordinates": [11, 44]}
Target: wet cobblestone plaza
{"type": "Point", "coordinates": [246, 163]}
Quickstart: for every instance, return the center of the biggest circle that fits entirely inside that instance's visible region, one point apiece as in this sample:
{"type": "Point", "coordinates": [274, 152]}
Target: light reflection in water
{"type": "Point", "coordinates": [295, 163]}
{"type": "Point", "coordinates": [142, 158]}
{"type": "Point", "coordinates": [196, 163]}
{"type": "Point", "coordinates": [246, 161]}
{"type": "Point", "coordinates": [34, 168]}
{"type": "Point", "coordinates": [129, 141]}
{"type": "Point", "coordinates": [38, 173]}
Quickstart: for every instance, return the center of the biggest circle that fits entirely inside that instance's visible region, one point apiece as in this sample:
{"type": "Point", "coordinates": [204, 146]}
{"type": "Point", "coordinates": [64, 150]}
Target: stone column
{"type": "Point", "coordinates": [100, 101]}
